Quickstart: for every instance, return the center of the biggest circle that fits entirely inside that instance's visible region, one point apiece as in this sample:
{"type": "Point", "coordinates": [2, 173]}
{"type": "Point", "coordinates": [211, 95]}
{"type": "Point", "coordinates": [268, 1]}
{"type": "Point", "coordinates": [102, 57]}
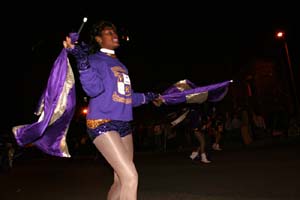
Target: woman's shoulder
{"type": "Point", "coordinates": [97, 58]}
{"type": "Point", "coordinates": [96, 55]}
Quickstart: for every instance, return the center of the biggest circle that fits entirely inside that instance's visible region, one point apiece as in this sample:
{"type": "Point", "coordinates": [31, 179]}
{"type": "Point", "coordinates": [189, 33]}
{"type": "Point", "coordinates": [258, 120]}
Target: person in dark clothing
{"type": "Point", "coordinates": [198, 126]}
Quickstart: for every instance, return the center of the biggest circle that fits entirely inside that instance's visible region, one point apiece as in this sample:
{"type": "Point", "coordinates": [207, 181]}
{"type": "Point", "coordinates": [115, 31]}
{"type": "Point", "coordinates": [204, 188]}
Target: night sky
{"type": "Point", "coordinates": [202, 43]}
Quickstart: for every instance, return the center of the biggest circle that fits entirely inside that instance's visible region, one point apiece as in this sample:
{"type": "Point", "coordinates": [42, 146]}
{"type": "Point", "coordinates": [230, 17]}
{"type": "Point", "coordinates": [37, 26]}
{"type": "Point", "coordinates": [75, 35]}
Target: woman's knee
{"type": "Point", "coordinates": [131, 177]}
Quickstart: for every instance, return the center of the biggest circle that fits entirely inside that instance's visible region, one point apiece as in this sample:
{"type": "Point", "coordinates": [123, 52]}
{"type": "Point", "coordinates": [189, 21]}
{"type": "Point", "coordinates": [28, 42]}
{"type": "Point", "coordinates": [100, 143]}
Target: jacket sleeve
{"type": "Point", "coordinates": [138, 99]}
{"type": "Point", "coordinates": [91, 81]}
{"type": "Point", "coordinates": [143, 98]}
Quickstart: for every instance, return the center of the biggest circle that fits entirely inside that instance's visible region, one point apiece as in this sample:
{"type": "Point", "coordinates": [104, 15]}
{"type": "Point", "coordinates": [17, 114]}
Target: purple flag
{"type": "Point", "coordinates": [56, 110]}
{"type": "Point", "coordinates": [187, 92]}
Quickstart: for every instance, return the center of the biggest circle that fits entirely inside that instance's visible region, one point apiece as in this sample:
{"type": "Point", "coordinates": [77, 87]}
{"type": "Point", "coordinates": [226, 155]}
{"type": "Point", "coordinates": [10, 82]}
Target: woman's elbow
{"type": "Point", "coordinates": [93, 92]}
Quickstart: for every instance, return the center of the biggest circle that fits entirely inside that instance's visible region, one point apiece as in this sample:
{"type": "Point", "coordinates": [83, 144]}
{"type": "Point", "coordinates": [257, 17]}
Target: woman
{"type": "Point", "coordinates": [105, 80]}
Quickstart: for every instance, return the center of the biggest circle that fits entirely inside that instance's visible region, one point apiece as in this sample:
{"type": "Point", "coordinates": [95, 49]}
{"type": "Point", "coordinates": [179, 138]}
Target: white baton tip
{"type": "Point", "coordinates": [84, 19]}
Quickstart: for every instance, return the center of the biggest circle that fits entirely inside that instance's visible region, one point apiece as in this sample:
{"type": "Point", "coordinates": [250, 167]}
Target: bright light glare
{"type": "Point", "coordinates": [279, 34]}
{"type": "Point", "coordinates": [84, 111]}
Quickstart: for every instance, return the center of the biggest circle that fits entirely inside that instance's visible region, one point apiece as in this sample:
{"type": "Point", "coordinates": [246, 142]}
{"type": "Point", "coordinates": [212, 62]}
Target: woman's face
{"type": "Point", "coordinates": [108, 39]}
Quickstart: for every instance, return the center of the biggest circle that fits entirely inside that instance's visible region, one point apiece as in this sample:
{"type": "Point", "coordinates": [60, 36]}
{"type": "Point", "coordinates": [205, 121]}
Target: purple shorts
{"type": "Point", "coordinates": [123, 128]}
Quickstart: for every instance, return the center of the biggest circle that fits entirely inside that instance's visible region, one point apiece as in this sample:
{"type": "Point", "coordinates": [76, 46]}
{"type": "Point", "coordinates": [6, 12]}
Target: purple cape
{"type": "Point", "coordinates": [187, 92]}
{"type": "Point", "coordinates": [56, 110]}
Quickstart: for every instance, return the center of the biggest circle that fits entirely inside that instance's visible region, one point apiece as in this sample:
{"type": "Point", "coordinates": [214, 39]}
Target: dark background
{"type": "Point", "coordinates": [202, 42]}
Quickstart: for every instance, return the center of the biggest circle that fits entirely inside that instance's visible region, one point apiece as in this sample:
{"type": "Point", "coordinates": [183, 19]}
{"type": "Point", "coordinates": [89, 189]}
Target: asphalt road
{"type": "Point", "coordinates": [255, 173]}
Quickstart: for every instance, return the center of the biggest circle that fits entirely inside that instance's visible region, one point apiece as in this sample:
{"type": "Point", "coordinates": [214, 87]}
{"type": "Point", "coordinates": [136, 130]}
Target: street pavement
{"type": "Point", "coordinates": [257, 172]}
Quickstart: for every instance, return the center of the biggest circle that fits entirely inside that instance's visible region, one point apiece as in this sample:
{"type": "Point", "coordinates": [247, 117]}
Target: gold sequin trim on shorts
{"type": "Point", "coordinates": [94, 123]}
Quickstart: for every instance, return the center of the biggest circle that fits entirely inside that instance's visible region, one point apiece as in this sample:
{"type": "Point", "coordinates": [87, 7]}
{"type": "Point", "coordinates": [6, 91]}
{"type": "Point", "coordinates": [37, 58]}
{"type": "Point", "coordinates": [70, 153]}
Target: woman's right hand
{"type": "Point", "coordinates": [67, 43]}
{"type": "Point", "coordinates": [71, 40]}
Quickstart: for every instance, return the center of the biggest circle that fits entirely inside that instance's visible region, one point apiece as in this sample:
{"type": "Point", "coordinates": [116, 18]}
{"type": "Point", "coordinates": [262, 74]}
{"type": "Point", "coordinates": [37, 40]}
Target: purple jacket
{"type": "Point", "coordinates": [107, 84]}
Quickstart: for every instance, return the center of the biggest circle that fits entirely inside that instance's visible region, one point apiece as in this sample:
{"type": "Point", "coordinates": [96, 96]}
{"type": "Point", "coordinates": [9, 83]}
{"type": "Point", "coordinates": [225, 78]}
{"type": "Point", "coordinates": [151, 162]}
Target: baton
{"type": "Point", "coordinates": [82, 24]}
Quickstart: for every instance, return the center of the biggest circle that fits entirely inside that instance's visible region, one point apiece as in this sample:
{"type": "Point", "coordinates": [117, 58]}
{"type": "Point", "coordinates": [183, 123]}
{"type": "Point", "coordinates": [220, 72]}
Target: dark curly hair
{"type": "Point", "coordinates": [96, 30]}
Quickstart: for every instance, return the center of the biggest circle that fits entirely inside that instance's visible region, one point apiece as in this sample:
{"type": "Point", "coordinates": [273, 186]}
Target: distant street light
{"type": "Point", "coordinates": [84, 111]}
{"type": "Point", "coordinates": [281, 35]}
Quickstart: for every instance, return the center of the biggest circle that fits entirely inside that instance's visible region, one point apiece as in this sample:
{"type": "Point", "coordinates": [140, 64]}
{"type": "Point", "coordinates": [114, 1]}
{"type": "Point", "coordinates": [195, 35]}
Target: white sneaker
{"type": "Point", "coordinates": [216, 147]}
{"type": "Point", "coordinates": [194, 155]}
{"type": "Point", "coordinates": [204, 158]}
{"type": "Point", "coordinates": [205, 161]}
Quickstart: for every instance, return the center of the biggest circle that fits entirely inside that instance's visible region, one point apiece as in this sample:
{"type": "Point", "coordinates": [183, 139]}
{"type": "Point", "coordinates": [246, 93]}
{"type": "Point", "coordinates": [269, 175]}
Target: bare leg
{"type": "Point", "coordinates": [119, 154]}
{"type": "Point", "coordinates": [216, 145]}
{"type": "Point", "coordinates": [201, 149]}
{"type": "Point", "coordinates": [218, 137]}
{"type": "Point", "coordinates": [115, 189]}
{"type": "Point", "coordinates": [201, 140]}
